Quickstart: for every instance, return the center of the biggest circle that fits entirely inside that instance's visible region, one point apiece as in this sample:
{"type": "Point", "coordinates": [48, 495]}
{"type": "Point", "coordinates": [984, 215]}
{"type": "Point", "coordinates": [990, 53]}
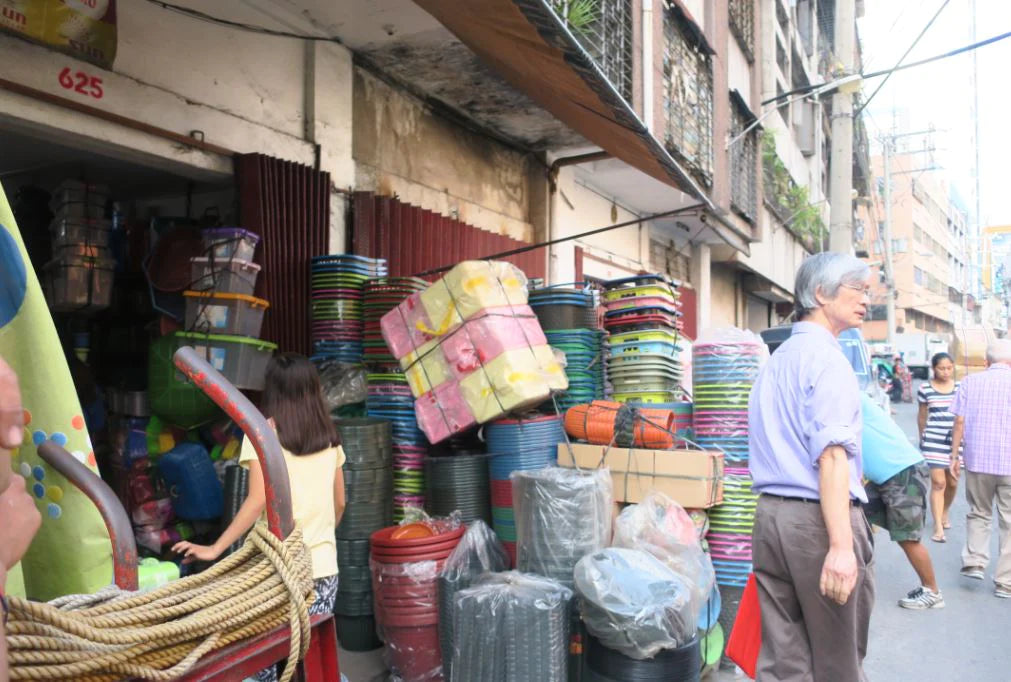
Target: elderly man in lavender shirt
{"type": "Point", "coordinates": [812, 546]}
{"type": "Point", "coordinates": [982, 410]}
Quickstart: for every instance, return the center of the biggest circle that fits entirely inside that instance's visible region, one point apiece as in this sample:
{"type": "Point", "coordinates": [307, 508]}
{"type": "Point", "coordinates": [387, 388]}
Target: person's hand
{"type": "Point", "coordinates": [956, 467]}
{"type": "Point", "coordinates": [21, 520]}
{"type": "Point", "coordinates": [12, 420]}
{"type": "Point", "coordinates": [839, 574]}
{"type": "Point", "coordinates": [192, 552]}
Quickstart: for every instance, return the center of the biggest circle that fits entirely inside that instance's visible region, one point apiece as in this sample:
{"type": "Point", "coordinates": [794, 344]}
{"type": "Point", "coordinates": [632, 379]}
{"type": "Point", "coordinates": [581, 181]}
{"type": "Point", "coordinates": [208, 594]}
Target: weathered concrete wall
{"type": "Point", "coordinates": [401, 147]}
{"type": "Point", "coordinates": [725, 300]}
{"type": "Point", "coordinates": [579, 208]}
{"type": "Point", "coordinates": [243, 91]}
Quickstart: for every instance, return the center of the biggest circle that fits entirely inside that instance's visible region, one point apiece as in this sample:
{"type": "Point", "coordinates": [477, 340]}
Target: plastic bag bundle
{"type": "Point", "coordinates": [661, 527]}
{"type": "Point", "coordinates": [479, 552]}
{"type": "Point", "coordinates": [634, 603]}
{"type": "Point", "coordinates": [511, 627]}
{"type": "Point", "coordinates": [561, 516]}
{"type": "Point", "coordinates": [343, 383]}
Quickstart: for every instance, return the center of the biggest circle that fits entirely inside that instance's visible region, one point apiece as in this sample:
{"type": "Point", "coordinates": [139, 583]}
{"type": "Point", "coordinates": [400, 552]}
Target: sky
{"type": "Point", "coordinates": [940, 94]}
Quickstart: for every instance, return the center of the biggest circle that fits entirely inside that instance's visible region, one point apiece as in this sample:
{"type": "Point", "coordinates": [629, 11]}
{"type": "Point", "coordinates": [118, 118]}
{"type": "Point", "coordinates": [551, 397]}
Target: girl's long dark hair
{"type": "Point", "coordinates": [293, 397]}
{"type": "Point", "coordinates": [936, 360]}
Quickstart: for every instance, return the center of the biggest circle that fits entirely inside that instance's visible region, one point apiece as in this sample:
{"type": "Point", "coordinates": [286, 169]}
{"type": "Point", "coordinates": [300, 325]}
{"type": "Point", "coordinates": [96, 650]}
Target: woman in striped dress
{"type": "Point", "coordinates": [935, 422]}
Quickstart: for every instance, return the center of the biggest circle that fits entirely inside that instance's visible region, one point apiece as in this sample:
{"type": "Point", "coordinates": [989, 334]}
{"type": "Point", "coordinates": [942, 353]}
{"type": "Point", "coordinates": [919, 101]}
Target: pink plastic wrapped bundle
{"type": "Point", "coordinates": [472, 349]}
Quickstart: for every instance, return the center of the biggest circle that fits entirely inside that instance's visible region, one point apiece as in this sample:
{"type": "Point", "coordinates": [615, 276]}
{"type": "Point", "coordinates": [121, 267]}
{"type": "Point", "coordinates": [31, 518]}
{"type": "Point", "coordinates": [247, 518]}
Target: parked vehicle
{"type": "Point", "coordinates": [917, 350]}
{"type": "Point", "coordinates": [855, 350]}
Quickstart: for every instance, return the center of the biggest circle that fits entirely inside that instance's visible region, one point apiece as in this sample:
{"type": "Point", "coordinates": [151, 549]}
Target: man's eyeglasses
{"type": "Point", "coordinates": [866, 291]}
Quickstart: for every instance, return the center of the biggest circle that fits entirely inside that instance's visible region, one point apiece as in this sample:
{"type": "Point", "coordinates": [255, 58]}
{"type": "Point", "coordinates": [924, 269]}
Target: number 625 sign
{"type": "Point", "coordinates": [81, 83]}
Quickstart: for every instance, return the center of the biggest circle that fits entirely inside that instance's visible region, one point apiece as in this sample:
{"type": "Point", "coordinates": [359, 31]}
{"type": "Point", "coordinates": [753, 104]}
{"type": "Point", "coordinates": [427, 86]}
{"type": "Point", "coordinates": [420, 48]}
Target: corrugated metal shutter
{"type": "Point", "coordinates": [288, 205]}
{"type": "Point", "coordinates": [413, 239]}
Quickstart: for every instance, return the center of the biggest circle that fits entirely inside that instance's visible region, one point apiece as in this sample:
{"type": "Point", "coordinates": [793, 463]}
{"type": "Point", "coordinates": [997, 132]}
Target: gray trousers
{"type": "Point", "coordinates": [980, 491]}
{"type": "Point", "coordinates": [807, 637]}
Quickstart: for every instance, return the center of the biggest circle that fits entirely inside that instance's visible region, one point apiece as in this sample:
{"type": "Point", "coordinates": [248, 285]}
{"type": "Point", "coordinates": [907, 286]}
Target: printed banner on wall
{"type": "Point", "coordinates": [71, 553]}
{"type": "Point", "coordinates": [85, 29]}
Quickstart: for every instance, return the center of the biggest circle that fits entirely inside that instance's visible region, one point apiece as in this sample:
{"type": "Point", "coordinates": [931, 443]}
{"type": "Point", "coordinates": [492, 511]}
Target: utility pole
{"type": "Point", "coordinates": [886, 237]}
{"type": "Point", "coordinates": [841, 180]}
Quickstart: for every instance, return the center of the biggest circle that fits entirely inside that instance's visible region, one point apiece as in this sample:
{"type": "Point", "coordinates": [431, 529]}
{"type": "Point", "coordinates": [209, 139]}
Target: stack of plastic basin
{"type": "Point", "coordinates": [406, 562]}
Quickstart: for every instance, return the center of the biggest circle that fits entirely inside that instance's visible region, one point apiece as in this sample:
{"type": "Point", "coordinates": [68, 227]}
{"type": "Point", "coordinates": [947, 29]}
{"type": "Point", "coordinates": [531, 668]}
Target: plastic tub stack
{"type": "Point", "coordinates": [458, 482]}
{"type": "Point", "coordinates": [368, 485]}
{"type": "Point", "coordinates": [223, 318]}
{"type": "Point", "coordinates": [389, 396]}
{"type": "Point", "coordinates": [568, 317]}
{"type": "Point", "coordinates": [406, 562]}
{"type": "Point", "coordinates": [337, 325]}
{"type": "Point", "coordinates": [512, 627]}
{"type": "Point", "coordinates": [725, 364]}
{"type": "Point", "coordinates": [643, 324]}
{"type": "Point", "coordinates": [517, 445]}
{"type": "Point", "coordinates": [479, 552]}
{"type": "Point", "coordinates": [80, 276]}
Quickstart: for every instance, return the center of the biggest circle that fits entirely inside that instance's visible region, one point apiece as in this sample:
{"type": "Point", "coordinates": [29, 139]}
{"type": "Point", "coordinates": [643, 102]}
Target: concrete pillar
{"type": "Point", "coordinates": [701, 271]}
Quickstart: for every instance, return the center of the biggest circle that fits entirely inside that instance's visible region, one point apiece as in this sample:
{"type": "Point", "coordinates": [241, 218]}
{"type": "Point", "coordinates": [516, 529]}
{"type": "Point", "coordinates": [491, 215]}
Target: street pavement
{"type": "Point", "coordinates": [966, 640]}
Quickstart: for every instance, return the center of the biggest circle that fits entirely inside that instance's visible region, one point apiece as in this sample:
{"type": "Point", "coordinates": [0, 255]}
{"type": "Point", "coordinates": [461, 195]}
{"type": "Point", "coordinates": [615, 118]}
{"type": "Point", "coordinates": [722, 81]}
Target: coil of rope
{"type": "Point", "coordinates": [162, 634]}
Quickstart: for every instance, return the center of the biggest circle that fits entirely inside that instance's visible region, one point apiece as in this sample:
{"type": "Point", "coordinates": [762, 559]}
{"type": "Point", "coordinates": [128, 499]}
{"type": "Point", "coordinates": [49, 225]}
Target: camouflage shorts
{"type": "Point", "coordinates": [900, 503]}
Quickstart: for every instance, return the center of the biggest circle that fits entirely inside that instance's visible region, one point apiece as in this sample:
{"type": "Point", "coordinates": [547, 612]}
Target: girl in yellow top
{"type": "Point", "coordinates": [293, 402]}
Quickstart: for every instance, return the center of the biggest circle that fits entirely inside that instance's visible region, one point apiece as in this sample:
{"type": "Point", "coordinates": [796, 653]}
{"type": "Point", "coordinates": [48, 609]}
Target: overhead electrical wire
{"type": "Point", "coordinates": [902, 58]}
{"type": "Point", "coordinates": [910, 65]}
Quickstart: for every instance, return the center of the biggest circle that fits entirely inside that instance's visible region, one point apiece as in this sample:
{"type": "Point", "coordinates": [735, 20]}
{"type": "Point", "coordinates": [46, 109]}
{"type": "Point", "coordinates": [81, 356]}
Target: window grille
{"type": "Point", "coordinates": [688, 97]}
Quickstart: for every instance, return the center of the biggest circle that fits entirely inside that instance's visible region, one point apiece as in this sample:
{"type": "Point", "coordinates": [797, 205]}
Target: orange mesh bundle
{"type": "Point", "coordinates": [595, 423]}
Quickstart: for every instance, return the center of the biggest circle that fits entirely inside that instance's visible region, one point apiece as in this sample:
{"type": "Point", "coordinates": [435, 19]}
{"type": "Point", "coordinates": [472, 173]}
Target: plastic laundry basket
{"type": "Point", "coordinates": [173, 397]}
{"type": "Point", "coordinates": [241, 360]}
{"type": "Point", "coordinates": [220, 313]}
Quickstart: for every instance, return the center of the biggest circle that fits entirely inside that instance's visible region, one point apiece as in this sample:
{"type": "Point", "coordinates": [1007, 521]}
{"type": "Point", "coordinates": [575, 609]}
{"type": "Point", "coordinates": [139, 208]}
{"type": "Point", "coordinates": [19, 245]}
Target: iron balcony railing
{"type": "Point", "coordinates": [604, 29]}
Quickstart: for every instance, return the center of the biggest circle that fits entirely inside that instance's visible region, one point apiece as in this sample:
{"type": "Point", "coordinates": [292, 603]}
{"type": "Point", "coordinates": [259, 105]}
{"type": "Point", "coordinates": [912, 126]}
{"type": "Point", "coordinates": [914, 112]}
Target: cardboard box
{"type": "Point", "coordinates": [692, 478]}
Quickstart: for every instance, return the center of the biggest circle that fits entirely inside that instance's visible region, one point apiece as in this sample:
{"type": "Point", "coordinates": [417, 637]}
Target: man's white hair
{"type": "Point", "coordinates": [999, 351]}
{"type": "Point", "coordinates": [826, 271]}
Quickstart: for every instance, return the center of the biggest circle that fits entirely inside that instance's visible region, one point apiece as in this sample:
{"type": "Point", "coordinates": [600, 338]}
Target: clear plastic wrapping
{"type": "Point", "coordinates": [511, 627]}
{"type": "Point", "coordinates": [561, 516]}
{"type": "Point", "coordinates": [634, 603]}
{"type": "Point", "coordinates": [343, 383]}
{"type": "Point", "coordinates": [479, 552]}
{"type": "Point", "coordinates": [472, 349]}
{"type": "Point", "coordinates": [725, 364]}
{"type": "Point", "coordinates": [407, 617]}
{"type": "Point", "coordinates": [661, 527]}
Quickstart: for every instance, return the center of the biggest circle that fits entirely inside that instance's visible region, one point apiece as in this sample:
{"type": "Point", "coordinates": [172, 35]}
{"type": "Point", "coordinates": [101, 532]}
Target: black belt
{"type": "Point", "coordinates": [853, 501]}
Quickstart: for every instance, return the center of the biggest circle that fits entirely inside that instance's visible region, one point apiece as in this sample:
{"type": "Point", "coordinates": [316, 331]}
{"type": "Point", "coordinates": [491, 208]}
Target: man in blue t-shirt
{"type": "Point", "coordinates": [898, 481]}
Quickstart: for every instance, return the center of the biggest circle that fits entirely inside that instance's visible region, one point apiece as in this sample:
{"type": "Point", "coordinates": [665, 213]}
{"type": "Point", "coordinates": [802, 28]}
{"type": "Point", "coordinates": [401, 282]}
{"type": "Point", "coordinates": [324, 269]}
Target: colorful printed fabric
{"type": "Point", "coordinates": [71, 553]}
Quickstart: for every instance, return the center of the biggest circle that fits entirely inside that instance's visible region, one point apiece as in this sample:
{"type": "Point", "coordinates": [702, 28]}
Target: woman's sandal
{"type": "Point", "coordinates": [946, 525]}
{"type": "Point", "coordinates": [939, 538]}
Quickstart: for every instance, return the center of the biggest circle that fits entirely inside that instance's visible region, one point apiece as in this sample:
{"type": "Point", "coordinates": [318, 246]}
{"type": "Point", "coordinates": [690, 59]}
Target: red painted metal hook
{"type": "Point", "coordinates": [256, 428]}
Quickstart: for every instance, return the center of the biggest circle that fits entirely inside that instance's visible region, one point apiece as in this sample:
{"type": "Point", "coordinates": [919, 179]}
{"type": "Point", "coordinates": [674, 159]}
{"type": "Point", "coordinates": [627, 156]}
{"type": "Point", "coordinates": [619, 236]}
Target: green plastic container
{"type": "Point", "coordinates": [174, 398]}
{"type": "Point", "coordinates": [152, 573]}
{"type": "Point", "coordinates": [240, 359]}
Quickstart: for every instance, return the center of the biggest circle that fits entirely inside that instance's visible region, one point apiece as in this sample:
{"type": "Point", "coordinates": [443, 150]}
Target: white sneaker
{"type": "Point", "coordinates": [922, 598]}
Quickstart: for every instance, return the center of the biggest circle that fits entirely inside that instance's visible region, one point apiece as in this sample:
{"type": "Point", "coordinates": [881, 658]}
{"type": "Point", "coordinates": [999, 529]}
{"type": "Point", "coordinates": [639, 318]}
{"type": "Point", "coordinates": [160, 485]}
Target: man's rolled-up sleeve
{"type": "Point", "coordinates": [834, 410]}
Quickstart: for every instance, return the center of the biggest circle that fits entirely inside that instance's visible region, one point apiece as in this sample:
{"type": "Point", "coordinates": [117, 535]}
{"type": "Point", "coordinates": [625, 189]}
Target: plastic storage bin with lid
{"type": "Point", "coordinates": [76, 199]}
{"type": "Point", "coordinates": [89, 231]}
{"type": "Point", "coordinates": [220, 313]}
{"type": "Point", "coordinates": [243, 361]}
{"type": "Point", "coordinates": [224, 276]}
{"type": "Point", "coordinates": [226, 243]}
{"type": "Point", "coordinates": [78, 283]}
